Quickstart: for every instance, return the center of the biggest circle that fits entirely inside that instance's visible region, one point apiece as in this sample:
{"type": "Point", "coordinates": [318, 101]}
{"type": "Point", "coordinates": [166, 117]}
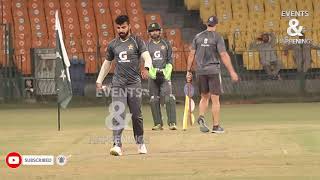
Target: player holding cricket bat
{"type": "Point", "coordinates": [208, 48]}
{"type": "Point", "coordinates": [160, 78]}
{"type": "Point", "coordinates": [126, 51]}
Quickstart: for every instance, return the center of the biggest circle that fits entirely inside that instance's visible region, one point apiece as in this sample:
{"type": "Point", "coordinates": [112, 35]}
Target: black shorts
{"type": "Point", "coordinates": [210, 83]}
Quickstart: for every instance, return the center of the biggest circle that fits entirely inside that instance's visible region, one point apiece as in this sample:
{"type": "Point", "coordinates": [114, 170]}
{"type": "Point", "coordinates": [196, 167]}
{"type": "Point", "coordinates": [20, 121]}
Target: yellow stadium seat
{"type": "Point", "coordinates": [207, 9]}
{"type": "Point", "coordinates": [223, 28]}
{"type": "Point", "coordinates": [288, 5]}
{"type": "Point", "coordinates": [239, 7]}
{"type": "Point", "coordinates": [241, 16]}
{"type": "Point", "coordinates": [315, 54]}
{"type": "Point", "coordinates": [251, 60]}
{"type": "Point", "coordinates": [192, 4]}
{"type": "Point", "coordinates": [237, 26]}
{"type": "Point", "coordinates": [272, 6]}
{"type": "Point", "coordinates": [223, 4]}
{"type": "Point", "coordinates": [271, 25]}
{"type": "Point", "coordinates": [255, 26]}
{"type": "Point", "coordinates": [287, 60]}
{"type": "Point", "coordinates": [205, 15]}
{"type": "Point", "coordinates": [239, 42]}
{"type": "Point", "coordinates": [256, 9]}
{"type": "Point", "coordinates": [316, 23]}
{"type": "Point", "coordinates": [306, 22]}
{"type": "Point", "coordinates": [284, 24]}
{"type": "Point", "coordinates": [239, 2]}
{"type": "Point", "coordinates": [225, 17]}
{"type": "Point", "coordinates": [236, 41]}
{"type": "Point", "coordinates": [207, 4]}
{"type": "Point", "coordinates": [315, 38]}
{"type": "Point", "coordinates": [304, 5]}
{"type": "Point", "coordinates": [272, 15]}
{"type": "Point", "coordinates": [255, 5]}
{"type": "Point", "coordinates": [316, 6]}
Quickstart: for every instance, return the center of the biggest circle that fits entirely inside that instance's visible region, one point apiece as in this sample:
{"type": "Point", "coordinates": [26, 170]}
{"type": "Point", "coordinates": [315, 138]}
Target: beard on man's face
{"type": "Point", "coordinates": [123, 34]}
{"type": "Point", "coordinates": [155, 36]}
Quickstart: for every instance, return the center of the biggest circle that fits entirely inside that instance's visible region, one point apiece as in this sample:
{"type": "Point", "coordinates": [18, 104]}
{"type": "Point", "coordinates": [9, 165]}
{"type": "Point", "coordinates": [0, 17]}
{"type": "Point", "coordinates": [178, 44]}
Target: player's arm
{"type": "Point", "coordinates": [225, 58]}
{"type": "Point", "coordinates": [105, 68]}
{"type": "Point", "coordinates": [146, 57]}
{"type": "Point", "coordinates": [273, 39]}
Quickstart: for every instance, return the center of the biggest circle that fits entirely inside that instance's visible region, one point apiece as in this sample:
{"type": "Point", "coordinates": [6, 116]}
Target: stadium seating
{"type": "Point", "coordinates": [154, 17]}
{"type": "Point", "coordinates": [242, 21]}
{"type": "Point", "coordinates": [22, 33]}
{"type": "Point", "coordinates": [174, 36]}
{"type": "Point", "coordinates": [50, 7]}
{"type": "Point", "coordinates": [137, 18]}
{"type": "Point", "coordinates": [192, 4]}
{"type": "Point", "coordinates": [88, 34]}
{"type": "Point", "coordinates": [88, 26]}
{"type": "Point", "coordinates": [6, 15]}
{"type": "Point", "coordinates": [72, 31]}
{"type": "Point", "coordinates": [315, 58]}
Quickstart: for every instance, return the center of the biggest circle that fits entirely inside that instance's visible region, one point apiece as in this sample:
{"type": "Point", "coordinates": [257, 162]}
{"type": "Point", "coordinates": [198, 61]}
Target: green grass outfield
{"type": "Point", "coordinates": [262, 142]}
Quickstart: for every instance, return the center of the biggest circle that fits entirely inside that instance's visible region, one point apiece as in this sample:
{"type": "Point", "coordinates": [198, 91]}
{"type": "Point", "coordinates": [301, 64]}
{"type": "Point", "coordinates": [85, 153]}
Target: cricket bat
{"type": "Point", "coordinates": [188, 107]}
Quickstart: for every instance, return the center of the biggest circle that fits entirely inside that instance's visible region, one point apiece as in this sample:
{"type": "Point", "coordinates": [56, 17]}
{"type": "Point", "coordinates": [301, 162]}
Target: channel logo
{"type": "Point", "coordinates": [13, 160]}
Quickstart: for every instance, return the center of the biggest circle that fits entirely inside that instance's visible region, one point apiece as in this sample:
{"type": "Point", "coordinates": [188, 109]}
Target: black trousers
{"type": "Point", "coordinates": [130, 96]}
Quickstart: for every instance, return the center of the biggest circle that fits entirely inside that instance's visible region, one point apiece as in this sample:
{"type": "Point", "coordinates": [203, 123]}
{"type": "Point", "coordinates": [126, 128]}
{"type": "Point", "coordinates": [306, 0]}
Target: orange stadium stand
{"type": "Point", "coordinates": [104, 27]}
{"type": "Point", "coordinates": [89, 34]}
{"type": "Point", "coordinates": [50, 7]}
{"type": "Point", "coordinates": [22, 42]}
{"type": "Point", "coordinates": [6, 15]}
{"type": "Point", "coordinates": [174, 36]}
{"type": "Point", "coordinates": [38, 24]}
{"type": "Point", "coordinates": [72, 31]}
{"type": "Point", "coordinates": [153, 17]}
{"type": "Point", "coordinates": [117, 7]}
{"type": "Point", "coordinates": [137, 18]}
{"type": "Point", "coordinates": [88, 27]}
{"type": "Point", "coordinates": [104, 23]}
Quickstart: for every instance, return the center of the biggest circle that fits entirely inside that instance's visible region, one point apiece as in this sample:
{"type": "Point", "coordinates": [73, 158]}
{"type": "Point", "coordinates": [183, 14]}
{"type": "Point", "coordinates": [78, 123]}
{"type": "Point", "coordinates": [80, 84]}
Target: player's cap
{"type": "Point", "coordinates": [154, 26]}
{"type": "Point", "coordinates": [212, 21]}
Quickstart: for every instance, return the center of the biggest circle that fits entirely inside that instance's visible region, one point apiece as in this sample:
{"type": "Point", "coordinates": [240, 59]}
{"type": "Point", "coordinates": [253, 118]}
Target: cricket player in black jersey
{"type": "Point", "coordinates": [126, 51]}
{"type": "Point", "coordinates": [160, 78]}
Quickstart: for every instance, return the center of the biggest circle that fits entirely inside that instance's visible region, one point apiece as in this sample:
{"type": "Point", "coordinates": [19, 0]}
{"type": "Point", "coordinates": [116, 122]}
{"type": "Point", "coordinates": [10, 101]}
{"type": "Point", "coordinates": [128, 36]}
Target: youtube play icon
{"type": "Point", "coordinates": [13, 160]}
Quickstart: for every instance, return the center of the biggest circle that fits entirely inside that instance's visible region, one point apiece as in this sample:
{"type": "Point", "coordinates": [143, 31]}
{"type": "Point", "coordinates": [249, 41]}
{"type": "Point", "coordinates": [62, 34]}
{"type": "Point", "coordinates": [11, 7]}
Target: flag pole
{"type": "Point", "coordinates": [59, 116]}
{"type": "Point", "coordinates": [58, 104]}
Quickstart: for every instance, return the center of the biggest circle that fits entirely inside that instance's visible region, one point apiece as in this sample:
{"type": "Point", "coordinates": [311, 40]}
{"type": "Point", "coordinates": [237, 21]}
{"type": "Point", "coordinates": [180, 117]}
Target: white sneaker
{"type": "Point", "coordinates": [142, 149]}
{"type": "Point", "coordinates": [116, 151]}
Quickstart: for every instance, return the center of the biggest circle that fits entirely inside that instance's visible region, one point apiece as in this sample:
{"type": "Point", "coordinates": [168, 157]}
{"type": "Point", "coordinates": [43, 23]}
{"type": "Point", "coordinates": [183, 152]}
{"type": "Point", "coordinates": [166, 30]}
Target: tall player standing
{"type": "Point", "coordinates": [208, 48]}
{"type": "Point", "coordinates": [160, 78]}
{"type": "Point", "coordinates": [126, 50]}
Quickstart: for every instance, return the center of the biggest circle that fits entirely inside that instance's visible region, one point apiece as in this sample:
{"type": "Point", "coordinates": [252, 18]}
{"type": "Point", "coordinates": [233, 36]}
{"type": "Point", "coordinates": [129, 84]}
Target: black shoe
{"type": "Point", "coordinates": [203, 127]}
{"type": "Point", "coordinates": [217, 129]}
